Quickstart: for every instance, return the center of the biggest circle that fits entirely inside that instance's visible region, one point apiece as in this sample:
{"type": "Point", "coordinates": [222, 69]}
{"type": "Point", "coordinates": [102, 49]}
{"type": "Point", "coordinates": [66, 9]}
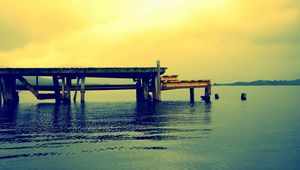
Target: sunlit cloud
{"type": "Point", "coordinates": [195, 38]}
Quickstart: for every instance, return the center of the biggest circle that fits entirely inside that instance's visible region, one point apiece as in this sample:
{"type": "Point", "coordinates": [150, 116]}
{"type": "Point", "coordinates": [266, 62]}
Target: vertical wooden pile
{"type": "Point", "coordinates": [8, 89]}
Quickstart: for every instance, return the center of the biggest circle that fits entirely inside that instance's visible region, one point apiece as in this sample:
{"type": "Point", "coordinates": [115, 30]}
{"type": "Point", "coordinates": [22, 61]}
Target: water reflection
{"type": "Point", "coordinates": [54, 118]}
{"type": "Point", "coordinates": [47, 125]}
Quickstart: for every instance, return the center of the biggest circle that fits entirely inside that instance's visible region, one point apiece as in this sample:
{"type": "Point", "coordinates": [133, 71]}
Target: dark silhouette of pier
{"type": "Point", "coordinates": [147, 81]}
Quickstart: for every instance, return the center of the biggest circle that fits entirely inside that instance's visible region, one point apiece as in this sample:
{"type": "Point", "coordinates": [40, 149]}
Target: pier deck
{"type": "Point", "coordinates": [110, 72]}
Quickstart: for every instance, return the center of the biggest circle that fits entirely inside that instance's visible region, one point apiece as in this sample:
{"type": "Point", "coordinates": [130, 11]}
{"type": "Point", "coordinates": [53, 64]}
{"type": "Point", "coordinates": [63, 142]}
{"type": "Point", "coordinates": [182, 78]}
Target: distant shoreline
{"type": "Point", "coordinates": [263, 83]}
{"type": "Point", "coordinates": [254, 85]}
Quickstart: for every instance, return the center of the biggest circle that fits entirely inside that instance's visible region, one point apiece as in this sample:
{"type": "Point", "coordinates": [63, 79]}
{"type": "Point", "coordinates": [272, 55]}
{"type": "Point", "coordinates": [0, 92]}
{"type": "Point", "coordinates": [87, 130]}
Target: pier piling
{"type": "Point", "coordinates": [82, 90]}
{"type": "Point", "coordinates": [67, 98]}
{"type": "Point", "coordinates": [10, 95]}
{"type": "Point", "coordinates": [76, 89]}
{"type": "Point", "coordinates": [56, 89]}
{"type": "Point", "coordinates": [157, 88]}
{"type": "Point", "coordinates": [192, 95]}
{"type": "Point", "coordinates": [0, 91]}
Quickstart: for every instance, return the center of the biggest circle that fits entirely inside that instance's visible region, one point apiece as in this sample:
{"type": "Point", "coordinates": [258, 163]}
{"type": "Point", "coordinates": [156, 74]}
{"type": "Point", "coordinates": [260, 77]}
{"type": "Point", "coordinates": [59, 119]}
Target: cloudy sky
{"type": "Point", "coordinates": [222, 40]}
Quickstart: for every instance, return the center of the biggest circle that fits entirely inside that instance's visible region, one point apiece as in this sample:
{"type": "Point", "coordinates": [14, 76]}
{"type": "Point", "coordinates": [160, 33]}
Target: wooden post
{"type": "Point", "coordinates": [157, 83]}
{"type": "Point", "coordinates": [10, 95]}
{"type": "Point", "coordinates": [0, 91]}
{"type": "Point", "coordinates": [37, 84]}
{"type": "Point", "coordinates": [207, 93]}
{"type": "Point", "coordinates": [192, 95]}
{"type": "Point", "coordinates": [243, 96]}
{"type": "Point", "coordinates": [138, 87]}
{"type": "Point", "coordinates": [76, 89]}
{"type": "Point", "coordinates": [68, 90]}
{"type": "Point", "coordinates": [63, 92]}
{"type": "Point", "coordinates": [145, 92]}
{"type": "Point", "coordinates": [217, 96]}
{"type": "Point", "coordinates": [82, 89]}
{"type": "Point", "coordinates": [56, 89]}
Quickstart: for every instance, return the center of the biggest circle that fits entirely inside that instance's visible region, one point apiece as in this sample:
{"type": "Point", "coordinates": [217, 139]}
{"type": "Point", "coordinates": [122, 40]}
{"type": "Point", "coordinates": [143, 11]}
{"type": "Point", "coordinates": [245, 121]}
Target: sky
{"type": "Point", "coordinates": [221, 40]}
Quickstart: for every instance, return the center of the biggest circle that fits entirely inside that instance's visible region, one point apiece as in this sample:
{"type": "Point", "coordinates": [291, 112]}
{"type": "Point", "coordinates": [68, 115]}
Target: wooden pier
{"type": "Point", "coordinates": [148, 83]}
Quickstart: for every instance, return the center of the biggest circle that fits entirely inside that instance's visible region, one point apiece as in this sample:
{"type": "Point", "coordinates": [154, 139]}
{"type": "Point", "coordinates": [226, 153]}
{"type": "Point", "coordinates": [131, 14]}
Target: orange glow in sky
{"type": "Point", "coordinates": [223, 40]}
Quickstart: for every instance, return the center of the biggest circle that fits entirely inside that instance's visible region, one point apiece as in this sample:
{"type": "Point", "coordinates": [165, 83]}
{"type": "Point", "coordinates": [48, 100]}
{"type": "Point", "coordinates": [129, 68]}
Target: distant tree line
{"type": "Point", "coordinates": [263, 83]}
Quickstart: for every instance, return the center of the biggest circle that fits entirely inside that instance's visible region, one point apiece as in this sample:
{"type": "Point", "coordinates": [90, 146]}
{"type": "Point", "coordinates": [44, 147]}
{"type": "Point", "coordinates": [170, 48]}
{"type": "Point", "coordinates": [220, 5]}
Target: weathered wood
{"type": "Point", "coordinates": [10, 96]}
{"type": "Point", "coordinates": [192, 95]}
{"type": "Point", "coordinates": [139, 92]}
{"type": "Point", "coordinates": [243, 96]}
{"type": "Point", "coordinates": [87, 87]}
{"type": "Point", "coordinates": [114, 72]}
{"type": "Point", "coordinates": [76, 89]}
{"type": "Point", "coordinates": [46, 96]}
{"type": "Point", "coordinates": [82, 89]}
{"type": "Point", "coordinates": [167, 85]}
{"type": "Point", "coordinates": [145, 89]}
{"type": "Point", "coordinates": [63, 84]}
{"type": "Point", "coordinates": [67, 98]}
{"type": "Point", "coordinates": [207, 93]}
{"type": "Point", "coordinates": [37, 83]}
{"type": "Point", "coordinates": [0, 91]}
{"type": "Point", "coordinates": [56, 89]}
{"type": "Point", "coordinates": [28, 86]}
{"type": "Point", "coordinates": [157, 88]}
{"type": "Point", "coordinates": [217, 96]}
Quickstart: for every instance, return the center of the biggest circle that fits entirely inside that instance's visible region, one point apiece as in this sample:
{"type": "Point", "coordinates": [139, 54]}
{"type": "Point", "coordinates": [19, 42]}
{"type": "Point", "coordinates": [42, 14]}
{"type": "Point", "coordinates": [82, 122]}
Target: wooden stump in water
{"type": "Point", "coordinates": [243, 96]}
{"type": "Point", "coordinates": [217, 96]}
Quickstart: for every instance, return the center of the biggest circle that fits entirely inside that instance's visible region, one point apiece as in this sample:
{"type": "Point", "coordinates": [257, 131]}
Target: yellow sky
{"type": "Point", "coordinates": [223, 40]}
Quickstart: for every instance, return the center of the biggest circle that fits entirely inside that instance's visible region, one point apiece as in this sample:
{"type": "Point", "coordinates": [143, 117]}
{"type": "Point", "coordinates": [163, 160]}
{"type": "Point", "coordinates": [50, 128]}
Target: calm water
{"type": "Point", "coordinates": [111, 131]}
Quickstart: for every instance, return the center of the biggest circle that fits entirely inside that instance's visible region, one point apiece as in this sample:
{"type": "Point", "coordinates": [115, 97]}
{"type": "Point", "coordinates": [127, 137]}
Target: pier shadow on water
{"type": "Point", "coordinates": [34, 130]}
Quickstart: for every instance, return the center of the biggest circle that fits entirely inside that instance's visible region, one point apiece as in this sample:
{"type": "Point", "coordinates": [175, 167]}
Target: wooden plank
{"type": "Point", "coordinates": [113, 72]}
{"type": "Point", "coordinates": [46, 96]}
{"type": "Point", "coordinates": [87, 87]}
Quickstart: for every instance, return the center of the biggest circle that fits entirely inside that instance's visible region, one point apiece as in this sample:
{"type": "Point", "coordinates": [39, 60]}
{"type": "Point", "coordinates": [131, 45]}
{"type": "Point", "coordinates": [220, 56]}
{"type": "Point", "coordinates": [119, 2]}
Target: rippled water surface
{"type": "Point", "coordinates": [111, 131]}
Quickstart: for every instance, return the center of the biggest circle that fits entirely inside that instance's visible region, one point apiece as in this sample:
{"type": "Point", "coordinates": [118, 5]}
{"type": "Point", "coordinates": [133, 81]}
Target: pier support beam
{"type": "Point", "coordinates": [157, 88]}
{"type": "Point", "coordinates": [145, 86]}
{"type": "Point", "coordinates": [142, 90]}
{"type": "Point", "coordinates": [0, 91]}
{"type": "Point", "coordinates": [37, 84]}
{"type": "Point", "coordinates": [76, 89]}
{"type": "Point", "coordinates": [67, 97]}
{"type": "Point", "coordinates": [9, 93]}
{"type": "Point", "coordinates": [207, 93]}
{"type": "Point", "coordinates": [56, 89]}
{"type": "Point", "coordinates": [139, 93]}
{"type": "Point", "coordinates": [63, 91]}
{"type": "Point", "coordinates": [82, 89]}
{"type": "Point", "coordinates": [192, 95]}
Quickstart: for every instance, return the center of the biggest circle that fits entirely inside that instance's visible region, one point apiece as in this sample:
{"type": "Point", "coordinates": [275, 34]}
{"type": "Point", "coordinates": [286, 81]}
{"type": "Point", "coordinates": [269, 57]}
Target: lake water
{"type": "Point", "coordinates": [111, 131]}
